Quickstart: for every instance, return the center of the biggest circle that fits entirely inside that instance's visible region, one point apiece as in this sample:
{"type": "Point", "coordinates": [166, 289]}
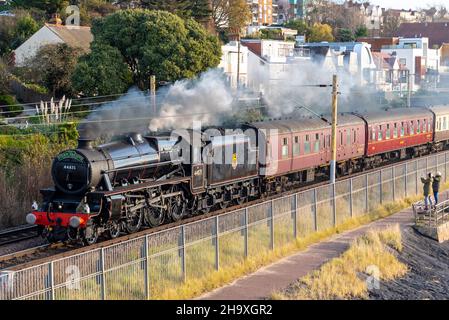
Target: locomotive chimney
{"type": "Point", "coordinates": [85, 143]}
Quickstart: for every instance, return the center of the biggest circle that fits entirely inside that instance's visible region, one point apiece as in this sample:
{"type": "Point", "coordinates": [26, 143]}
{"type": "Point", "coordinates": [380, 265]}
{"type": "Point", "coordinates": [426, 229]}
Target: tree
{"type": "Point", "coordinates": [158, 43]}
{"type": "Point", "coordinates": [321, 32]}
{"type": "Point", "coordinates": [102, 72]}
{"type": "Point", "coordinates": [25, 28]}
{"type": "Point", "coordinates": [54, 65]}
{"type": "Point", "coordinates": [299, 25]}
{"type": "Point", "coordinates": [361, 31]}
{"type": "Point", "coordinates": [391, 24]}
{"type": "Point", "coordinates": [345, 35]}
{"type": "Point", "coordinates": [181, 8]}
{"type": "Point", "coordinates": [93, 9]}
{"type": "Point", "coordinates": [49, 6]}
{"type": "Point", "coordinates": [4, 78]}
{"type": "Point", "coordinates": [230, 15]}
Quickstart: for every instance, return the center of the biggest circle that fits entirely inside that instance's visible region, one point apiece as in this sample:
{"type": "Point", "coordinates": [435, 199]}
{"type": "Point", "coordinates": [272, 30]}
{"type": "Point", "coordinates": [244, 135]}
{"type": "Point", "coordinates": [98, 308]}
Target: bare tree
{"type": "Point", "coordinates": [230, 14]}
{"type": "Point", "coordinates": [391, 24]}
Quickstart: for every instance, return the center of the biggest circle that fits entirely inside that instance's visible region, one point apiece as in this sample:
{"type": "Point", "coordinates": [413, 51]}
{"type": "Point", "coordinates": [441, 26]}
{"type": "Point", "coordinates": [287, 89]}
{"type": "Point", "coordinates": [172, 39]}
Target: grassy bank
{"type": "Point", "coordinates": [195, 287]}
{"type": "Point", "coordinates": [25, 163]}
{"type": "Point", "coordinates": [345, 277]}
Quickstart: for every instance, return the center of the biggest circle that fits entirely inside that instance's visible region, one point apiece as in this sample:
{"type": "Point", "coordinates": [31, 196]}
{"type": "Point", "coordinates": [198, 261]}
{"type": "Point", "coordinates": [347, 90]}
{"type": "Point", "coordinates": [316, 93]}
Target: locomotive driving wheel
{"type": "Point", "coordinates": [114, 230]}
{"type": "Point", "coordinates": [90, 235]}
{"type": "Point", "coordinates": [153, 216]}
{"type": "Point", "coordinates": [134, 221]}
{"type": "Point", "coordinates": [177, 205]}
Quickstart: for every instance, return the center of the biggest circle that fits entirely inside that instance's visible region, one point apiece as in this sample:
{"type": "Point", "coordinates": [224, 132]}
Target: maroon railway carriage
{"type": "Point", "coordinates": [301, 148]}
{"type": "Point", "coordinates": [397, 133]}
{"type": "Point", "coordinates": [441, 126]}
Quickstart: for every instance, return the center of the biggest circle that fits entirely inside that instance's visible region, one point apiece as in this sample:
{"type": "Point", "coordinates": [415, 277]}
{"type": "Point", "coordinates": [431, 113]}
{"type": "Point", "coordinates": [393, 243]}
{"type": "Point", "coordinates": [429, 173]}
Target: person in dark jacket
{"type": "Point", "coordinates": [436, 186]}
{"type": "Point", "coordinates": [426, 189]}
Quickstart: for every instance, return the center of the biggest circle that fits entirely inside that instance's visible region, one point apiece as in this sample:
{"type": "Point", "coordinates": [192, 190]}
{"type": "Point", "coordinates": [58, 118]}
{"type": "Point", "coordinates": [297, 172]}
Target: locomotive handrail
{"type": "Point", "coordinates": [142, 166]}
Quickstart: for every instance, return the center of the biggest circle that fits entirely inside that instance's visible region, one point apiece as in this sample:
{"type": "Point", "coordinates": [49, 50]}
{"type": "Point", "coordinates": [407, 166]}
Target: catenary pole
{"type": "Point", "coordinates": [334, 128]}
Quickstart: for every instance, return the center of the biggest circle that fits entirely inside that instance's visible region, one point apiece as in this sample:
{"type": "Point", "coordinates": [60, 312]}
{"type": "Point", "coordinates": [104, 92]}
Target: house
{"type": "Point", "coordinates": [355, 57]}
{"type": "Point", "coordinates": [74, 36]}
{"type": "Point", "coordinates": [235, 60]}
{"type": "Point", "coordinates": [436, 32]}
{"type": "Point", "coordinates": [378, 42]}
{"type": "Point", "coordinates": [372, 15]}
{"type": "Point", "coordinates": [390, 75]}
{"type": "Point", "coordinates": [415, 54]}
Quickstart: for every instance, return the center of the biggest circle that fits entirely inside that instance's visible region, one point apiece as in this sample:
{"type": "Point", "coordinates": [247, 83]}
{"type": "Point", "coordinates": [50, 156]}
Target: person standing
{"type": "Point", "coordinates": [426, 189]}
{"type": "Point", "coordinates": [436, 186]}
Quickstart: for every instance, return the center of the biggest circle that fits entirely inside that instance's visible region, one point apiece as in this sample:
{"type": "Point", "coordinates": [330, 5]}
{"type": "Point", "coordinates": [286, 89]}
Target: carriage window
{"type": "Point", "coordinates": [429, 126]}
{"type": "Point", "coordinates": [328, 138]}
{"type": "Point", "coordinates": [444, 123]}
{"type": "Point", "coordinates": [402, 129]}
{"type": "Point", "coordinates": [355, 136]}
{"type": "Point", "coordinates": [317, 143]}
{"type": "Point", "coordinates": [341, 138]}
{"type": "Point", "coordinates": [296, 147]}
{"type": "Point", "coordinates": [379, 133]}
{"type": "Point", "coordinates": [373, 134]}
{"type": "Point", "coordinates": [395, 131]}
{"type": "Point", "coordinates": [387, 134]}
{"type": "Point", "coordinates": [412, 128]}
{"type": "Point", "coordinates": [348, 137]}
{"type": "Point", "coordinates": [307, 145]}
{"type": "Point", "coordinates": [285, 148]}
{"type": "Point", "coordinates": [418, 130]}
{"type": "Point", "coordinates": [424, 126]}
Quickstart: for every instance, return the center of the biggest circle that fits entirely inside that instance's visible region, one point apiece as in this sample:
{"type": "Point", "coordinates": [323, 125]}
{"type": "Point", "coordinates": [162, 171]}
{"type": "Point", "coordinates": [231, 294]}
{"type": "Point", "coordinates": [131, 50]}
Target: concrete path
{"type": "Point", "coordinates": [281, 274]}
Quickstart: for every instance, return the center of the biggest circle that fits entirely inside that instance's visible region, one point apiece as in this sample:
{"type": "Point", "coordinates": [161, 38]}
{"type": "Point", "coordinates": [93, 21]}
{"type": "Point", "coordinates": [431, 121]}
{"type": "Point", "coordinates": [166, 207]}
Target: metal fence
{"type": "Point", "coordinates": [431, 216]}
{"type": "Point", "coordinates": [153, 266]}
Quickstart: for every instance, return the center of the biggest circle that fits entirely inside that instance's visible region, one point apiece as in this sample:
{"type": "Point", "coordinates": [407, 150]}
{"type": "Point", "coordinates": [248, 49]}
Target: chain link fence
{"type": "Point", "coordinates": [153, 266]}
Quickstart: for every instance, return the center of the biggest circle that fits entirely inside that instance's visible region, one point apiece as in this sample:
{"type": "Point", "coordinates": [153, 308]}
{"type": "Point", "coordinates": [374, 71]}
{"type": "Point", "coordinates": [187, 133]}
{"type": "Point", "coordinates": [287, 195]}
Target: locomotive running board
{"type": "Point", "coordinates": [136, 187]}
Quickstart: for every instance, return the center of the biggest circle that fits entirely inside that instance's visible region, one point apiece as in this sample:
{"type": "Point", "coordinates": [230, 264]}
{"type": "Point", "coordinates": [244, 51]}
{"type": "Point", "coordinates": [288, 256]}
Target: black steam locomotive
{"type": "Point", "coordinates": [143, 180]}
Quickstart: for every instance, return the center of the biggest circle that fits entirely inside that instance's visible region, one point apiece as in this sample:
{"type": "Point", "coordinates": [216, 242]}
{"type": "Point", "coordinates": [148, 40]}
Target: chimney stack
{"type": "Point", "coordinates": [56, 19]}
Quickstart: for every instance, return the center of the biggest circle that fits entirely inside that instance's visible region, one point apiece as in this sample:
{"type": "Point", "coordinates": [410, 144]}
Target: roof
{"type": "Point", "coordinates": [437, 32]}
{"type": "Point", "coordinates": [440, 109]}
{"type": "Point", "coordinates": [306, 124]}
{"type": "Point", "coordinates": [77, 37]}
{"type": "Point", "coordinates": [396, 114]}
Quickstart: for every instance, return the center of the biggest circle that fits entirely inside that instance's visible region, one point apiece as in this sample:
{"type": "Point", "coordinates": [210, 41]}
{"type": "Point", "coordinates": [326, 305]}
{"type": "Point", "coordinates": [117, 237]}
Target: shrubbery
{"type": "Point", "coordinates": [9, 105]}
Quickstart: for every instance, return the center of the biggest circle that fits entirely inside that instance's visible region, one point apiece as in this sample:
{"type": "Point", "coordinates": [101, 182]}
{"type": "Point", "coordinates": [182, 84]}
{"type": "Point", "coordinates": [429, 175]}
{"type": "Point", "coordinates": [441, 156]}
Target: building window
{"type": "Point", "coordinates": [307, 145]}
{"type": "Point", "coordinates": [317, 143]}
{"type": "Point", "coordinates": [296, 147]}
{"type": "Point", "coordinates": [387, 134]}
{"type": "Point", "coordinates": [395, 131]}
{"type": "Point", "coordinates": [285, 148]}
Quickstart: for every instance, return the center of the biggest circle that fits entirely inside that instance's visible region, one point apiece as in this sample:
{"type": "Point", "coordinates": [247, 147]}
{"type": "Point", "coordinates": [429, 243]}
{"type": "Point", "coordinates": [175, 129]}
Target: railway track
{"type": "Point", "coordinates": [46, 253]}
{"type": "Point", "coordinates": [18, 234]}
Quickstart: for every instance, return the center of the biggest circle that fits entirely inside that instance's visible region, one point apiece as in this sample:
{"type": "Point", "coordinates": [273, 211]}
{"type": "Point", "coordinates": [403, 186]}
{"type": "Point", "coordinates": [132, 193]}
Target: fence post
{"type": "Point", "coordinates": [334, 204]}
{"type": "Point", "coordinates": [406, 179]}
{"type": "Point", "coordinates": [246, 233]}
{"type": "Point", "coordinates": [272, 225]}
{"type": "Point", "coordinates": [351, 203]}
{"type": "Point", "coordinates": [217, 245]}
{"type": "Point", "coordinates": [147, 270]}
{"type": "Point", "coordinates": [103, 285]}
{"type": "Point", "coordinates": [393, 173]}
{"type": "Point", "coordinates": [295, 216]}
{"type": "Point", "coordinates": [51, 281]}
{"type": "Point", "coordinates": [417, 178]}
{"type": "Point", "coordinates": [366, 193]}
{"type": "Point", "coordinates": [381, 186]}
{"type": "Point", "coordinates": [183, 248]}
{"type": "Point", "coordinates": [445, 166]}
{"type": "Point", "coordinates": [315, 206]}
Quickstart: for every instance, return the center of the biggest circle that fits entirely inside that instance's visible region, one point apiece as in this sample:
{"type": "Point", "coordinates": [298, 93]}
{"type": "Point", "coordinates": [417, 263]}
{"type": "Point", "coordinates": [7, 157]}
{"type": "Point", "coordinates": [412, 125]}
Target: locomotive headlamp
{"type": "Point", "coordinates": [75, 222]}
{"type": "Point", "coordinates": [31, 218]}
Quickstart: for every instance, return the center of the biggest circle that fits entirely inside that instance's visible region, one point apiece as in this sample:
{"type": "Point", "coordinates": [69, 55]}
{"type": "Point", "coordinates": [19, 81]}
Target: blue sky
{"type": "Point", "coordinates": [409, 4]}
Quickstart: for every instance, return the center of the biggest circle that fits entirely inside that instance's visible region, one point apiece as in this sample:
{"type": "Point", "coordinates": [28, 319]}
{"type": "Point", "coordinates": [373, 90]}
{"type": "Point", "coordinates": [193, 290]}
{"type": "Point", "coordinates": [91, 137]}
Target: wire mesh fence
{"type": "Point", "coordinates": [153, 266]}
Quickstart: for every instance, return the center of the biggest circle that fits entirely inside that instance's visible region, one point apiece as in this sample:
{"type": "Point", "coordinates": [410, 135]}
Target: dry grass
{"type": "Point", "coordinates": [212, 280]}
{"type": "Point", "coordinates": [341, 277]}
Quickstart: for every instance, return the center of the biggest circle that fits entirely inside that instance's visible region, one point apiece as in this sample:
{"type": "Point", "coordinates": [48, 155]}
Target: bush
{"type": "Point", "coordinates": [8, 103]}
